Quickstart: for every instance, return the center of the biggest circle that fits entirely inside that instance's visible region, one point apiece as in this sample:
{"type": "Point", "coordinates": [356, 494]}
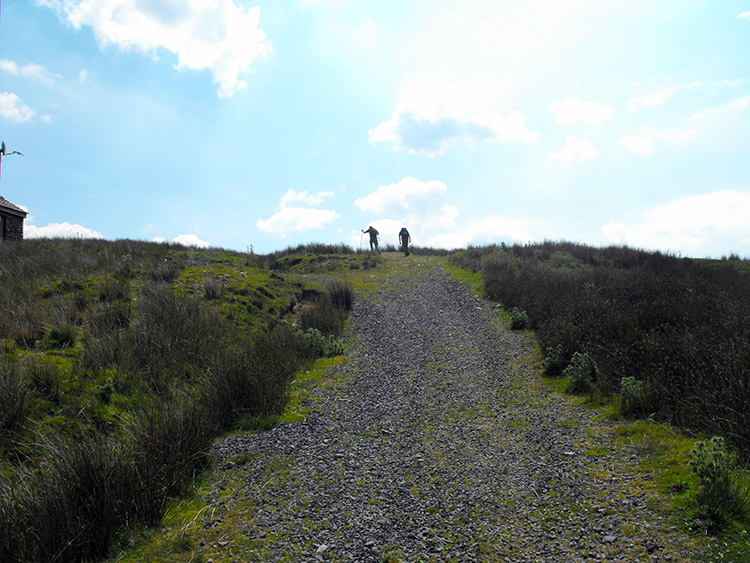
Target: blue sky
{"type": "Point", "coordinates": [271, 123]}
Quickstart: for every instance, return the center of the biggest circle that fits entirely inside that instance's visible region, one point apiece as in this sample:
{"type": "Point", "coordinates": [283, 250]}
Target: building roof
{"type": "Point", "coordinates": [8, 207]}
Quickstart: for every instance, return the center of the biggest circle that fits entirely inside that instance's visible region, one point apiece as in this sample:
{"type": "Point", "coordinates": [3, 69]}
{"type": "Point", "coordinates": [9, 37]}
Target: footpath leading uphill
{"type": "Point", "coordinates": [438, 443]}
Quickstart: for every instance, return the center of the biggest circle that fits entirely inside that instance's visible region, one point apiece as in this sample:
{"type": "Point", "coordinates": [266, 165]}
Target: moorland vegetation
{"type": "Point", "coordinates": [122, 361]}
{"type": "Point", "coordinates": [672, 335]}
{"type": "Point", "coordinates": [667, 338]}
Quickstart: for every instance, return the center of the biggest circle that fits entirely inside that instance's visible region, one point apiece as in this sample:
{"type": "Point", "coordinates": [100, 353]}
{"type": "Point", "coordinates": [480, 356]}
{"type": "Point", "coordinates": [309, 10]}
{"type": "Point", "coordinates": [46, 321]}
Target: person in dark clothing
{"type": "Point", "coordinates": [373, 238]}
{"type": "Point", "coordinates": [404, 238]}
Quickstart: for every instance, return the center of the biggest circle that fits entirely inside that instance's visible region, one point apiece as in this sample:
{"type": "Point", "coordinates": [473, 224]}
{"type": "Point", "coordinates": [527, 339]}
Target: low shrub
{"type": "Point", "coordinates": [252, 378]}
{"type": "Point", "coordinates": [334, 347]}
{"type": "Point", "coordinates": [168, 442]}
{"type": "Point", "coordinates": [112, 288]}
{"type": "Point", "coordinates": [720, 496]}
{"type": "Point", "coordinates": [580, 374]}
{"type": "Point", "coordinates": [632, 396]}
{"type": "Point", "coordinates": [519, 320]}
{"type": "Point", "coordinates": [555, 360]}
{"type": "Point", "coordinates": [313, 342]}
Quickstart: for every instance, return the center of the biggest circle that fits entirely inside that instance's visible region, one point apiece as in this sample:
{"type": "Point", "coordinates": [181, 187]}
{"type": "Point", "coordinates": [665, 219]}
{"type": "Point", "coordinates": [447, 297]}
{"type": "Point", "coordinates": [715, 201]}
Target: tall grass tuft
{"type": "Point", "coordinates": [14, 402]}
{"type": "Point", "coordinates": [251, 378]}
{"type": "Point", "coordinates": [71, 507]}
{"type": "Point", "coordinates": [341, 295]}
{"type": "Point", "coordinates": [168, 442]}
{"type": "Point", "coordinates": [324, 316]}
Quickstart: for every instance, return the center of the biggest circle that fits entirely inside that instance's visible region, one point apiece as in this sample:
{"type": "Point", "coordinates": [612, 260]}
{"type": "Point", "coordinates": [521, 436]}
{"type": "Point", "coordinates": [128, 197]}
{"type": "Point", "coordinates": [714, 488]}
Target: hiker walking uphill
{"type": "Point", "coordinates": [373, 238]}
{"type": "Point", "coordinates": [404, 238]}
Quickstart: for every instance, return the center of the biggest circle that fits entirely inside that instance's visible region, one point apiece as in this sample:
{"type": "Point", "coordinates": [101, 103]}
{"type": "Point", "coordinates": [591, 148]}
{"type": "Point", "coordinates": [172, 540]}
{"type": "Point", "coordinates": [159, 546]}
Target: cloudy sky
{"type": "Point", "coordinates": [270, 123]}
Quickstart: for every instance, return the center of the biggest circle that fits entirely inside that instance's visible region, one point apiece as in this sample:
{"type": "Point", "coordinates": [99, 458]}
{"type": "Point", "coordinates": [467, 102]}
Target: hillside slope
{"type": "Point", "coordinates": [433, 441]}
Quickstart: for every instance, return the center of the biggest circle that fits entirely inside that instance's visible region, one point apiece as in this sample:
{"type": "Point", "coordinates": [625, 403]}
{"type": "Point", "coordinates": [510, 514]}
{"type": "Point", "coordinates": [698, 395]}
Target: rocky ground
{"type": "Point", "coordinates": [439, 445]}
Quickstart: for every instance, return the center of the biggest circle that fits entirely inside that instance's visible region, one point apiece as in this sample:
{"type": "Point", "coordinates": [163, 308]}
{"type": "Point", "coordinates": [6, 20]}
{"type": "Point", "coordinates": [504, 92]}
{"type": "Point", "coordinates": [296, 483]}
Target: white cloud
{"type": "Point", "coordinates": [296, 219]}
{"type": "Point", "coordinates": [744, 16]}
{"type": "Point", "coordinates": [670, 136]}
{"type": "Point", "coordinates": [702, 225]}
{"type": "Point", "coordinates": [190, 240]}
{"type": "Point", "coordinates": [637, 144]}
{"type": "Point", "coordinates": [324, 2]}
{"type": "Point", "coordinates": [32, 69]}
{"type": "Point", "coordinates": [62, 230]}
{"type": "Point", "coordinates": [11, 107]}
{"type": "Point", "coordinates": [719, 113]}
{"type": "Point", "coordinates": [643, 141]}
{"type": "Point", "coordinates": [573, 111]}
{"type": "Point", "coordinates": [305, 197]}
{"type": "Point", "coordinates": [412, 203]}
{"type": "Point", "coordinates": [215, 35]}
{"type": "Point", "coordinates": [487, 231]}
{"type": "Point", "coordinates": [292, 216]}
{"type": "Point", "coordinates": [401, 196]}
{"type": "Point", "coordinates": [575, 149]}
{"type": "Point", "coordinates": [657, 97]}
{"type": "Point", "coordinates": [434, 114]}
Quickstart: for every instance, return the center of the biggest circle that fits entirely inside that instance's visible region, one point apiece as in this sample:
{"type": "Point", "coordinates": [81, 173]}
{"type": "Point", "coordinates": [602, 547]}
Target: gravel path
{"type": "Point", "coordinates": [434, 442]}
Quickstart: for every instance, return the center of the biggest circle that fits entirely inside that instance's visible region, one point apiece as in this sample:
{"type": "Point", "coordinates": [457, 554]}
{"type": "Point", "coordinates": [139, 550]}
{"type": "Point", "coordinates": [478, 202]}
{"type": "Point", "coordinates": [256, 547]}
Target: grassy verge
{"type": "Point", "coordinates": [178, 537]}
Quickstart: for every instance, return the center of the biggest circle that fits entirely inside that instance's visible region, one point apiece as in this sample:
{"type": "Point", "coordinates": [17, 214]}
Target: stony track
{"type": "Point", "coordinates": [438, 443]}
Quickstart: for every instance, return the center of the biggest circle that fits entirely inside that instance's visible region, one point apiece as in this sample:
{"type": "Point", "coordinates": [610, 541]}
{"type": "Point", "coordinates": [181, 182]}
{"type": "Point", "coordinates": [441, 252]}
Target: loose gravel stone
{"type": "Point", "coordinates": [441, 446]}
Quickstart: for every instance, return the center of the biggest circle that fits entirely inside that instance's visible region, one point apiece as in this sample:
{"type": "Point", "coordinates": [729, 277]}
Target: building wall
{"type": "Point", "coordinates": [12, 227]}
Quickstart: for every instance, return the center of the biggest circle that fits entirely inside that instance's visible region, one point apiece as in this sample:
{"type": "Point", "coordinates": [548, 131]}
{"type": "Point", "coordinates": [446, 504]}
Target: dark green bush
{"type": "Point", "coordinates": [60, 336]}
{"type": "Point", "coordinates": [633, 400]}
{"type": "Point", "coordinates": [212, 288]}
{"type": "Point", "coordinates": [519, 320]}
{"type": "Point", "coordinates": [580, 373]}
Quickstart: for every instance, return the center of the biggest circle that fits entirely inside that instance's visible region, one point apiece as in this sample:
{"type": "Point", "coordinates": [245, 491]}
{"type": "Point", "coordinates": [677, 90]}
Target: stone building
{"type": "Point", "coordinates": [11, 220]}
